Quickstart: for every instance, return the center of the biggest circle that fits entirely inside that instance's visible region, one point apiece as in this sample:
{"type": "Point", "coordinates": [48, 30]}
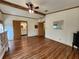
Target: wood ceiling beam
{"type": "Point", "coordinates": [63, 10]}
{"type": "Point", "coordinates": [20, 16]}
{"type": "Point", "coordinates": [1, 11]}
{"type": "Point", "coordinates": [19, 7]}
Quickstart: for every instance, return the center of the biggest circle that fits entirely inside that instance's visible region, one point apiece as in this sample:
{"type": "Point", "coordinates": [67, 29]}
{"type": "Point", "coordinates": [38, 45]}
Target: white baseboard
{"type": "Point", "coordinates": [60, 42]}
{"type": "Point", "coordinates": [70, 45]}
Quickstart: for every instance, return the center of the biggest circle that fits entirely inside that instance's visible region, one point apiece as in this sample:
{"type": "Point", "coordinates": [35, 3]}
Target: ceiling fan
{"type": "Point", "coordinates": [31, 7]}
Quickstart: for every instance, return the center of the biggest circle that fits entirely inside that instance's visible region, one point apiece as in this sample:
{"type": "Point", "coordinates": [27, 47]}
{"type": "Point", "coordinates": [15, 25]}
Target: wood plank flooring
{"type": "Point", "coordinates": [39, 48]}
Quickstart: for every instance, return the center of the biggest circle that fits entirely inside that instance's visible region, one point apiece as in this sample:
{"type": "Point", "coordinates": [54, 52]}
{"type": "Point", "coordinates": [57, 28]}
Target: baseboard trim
{"type": "Point", "coordinates": [60, 42]}
{"type": "Point", "coordinates": [63, 43]}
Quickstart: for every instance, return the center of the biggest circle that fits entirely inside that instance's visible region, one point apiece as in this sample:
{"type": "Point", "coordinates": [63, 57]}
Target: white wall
{"type": "Point", "coordinates": [9, 25]}
{"type": "Point", "coordinates": [1, 28]}
{"type": "Point", "coordinates": [71, 25]}
{"type": "Point", "coordinates": [1, 25]}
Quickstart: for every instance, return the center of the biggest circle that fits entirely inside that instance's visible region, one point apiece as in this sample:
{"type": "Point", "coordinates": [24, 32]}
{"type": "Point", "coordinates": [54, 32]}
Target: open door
{"type": "Point", "coordinates": [20, 29]}
{"type": "Point", "coordinates": [17, 29]}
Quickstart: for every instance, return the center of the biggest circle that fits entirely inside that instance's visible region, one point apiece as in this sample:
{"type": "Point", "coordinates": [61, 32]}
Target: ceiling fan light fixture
{"type": "Point", "coordinates": [31, 7]}
{"type": "Point", "coordinates": [31, 11]}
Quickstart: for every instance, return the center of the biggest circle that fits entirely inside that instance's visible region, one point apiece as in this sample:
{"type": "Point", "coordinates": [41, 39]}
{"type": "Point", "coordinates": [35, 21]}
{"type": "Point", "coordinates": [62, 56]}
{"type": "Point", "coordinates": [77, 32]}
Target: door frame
{"type": "Point", "coordinates": [42, 29]}
{"type": "Point", "coordinates": [21, 21]}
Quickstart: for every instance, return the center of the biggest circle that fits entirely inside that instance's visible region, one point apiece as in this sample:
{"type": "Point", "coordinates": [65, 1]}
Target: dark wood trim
{"type": "Point", "coordinates": [39, 13]}
{"type": "Point", "coordinates": [19, 7]}
{"type": "Point", "coordinates": [20, 16]}
{"type": "Point", "coordinates": [20, 27]}
{"type": "Point", "coordinates": [1, 1]}
{"type": "Point", "coordinates": [1, 11]}
{"type": "Point", "coordinates": [63, 10]}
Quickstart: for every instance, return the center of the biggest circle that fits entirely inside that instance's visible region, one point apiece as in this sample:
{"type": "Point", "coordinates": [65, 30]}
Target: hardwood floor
{"type": "Point", "coordinates": [39, 48]}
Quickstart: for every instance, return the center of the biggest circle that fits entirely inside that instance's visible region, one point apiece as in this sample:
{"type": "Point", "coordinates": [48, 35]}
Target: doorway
{"type": "Point", "coordinates": [20, 29]}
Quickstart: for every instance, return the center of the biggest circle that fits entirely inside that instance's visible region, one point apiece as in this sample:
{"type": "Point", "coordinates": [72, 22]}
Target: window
{"type": "Point", "coordinates": [1, 27]}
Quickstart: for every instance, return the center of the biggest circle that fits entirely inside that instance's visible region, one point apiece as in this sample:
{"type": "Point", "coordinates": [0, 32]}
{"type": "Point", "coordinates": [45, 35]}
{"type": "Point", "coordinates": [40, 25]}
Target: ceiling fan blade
{"type": "Point", "coordinates": [37, 7]}
{"type": "Point", "coordinates": [31, 5]}
{"type": "Point", "coordinates": [27, 4]}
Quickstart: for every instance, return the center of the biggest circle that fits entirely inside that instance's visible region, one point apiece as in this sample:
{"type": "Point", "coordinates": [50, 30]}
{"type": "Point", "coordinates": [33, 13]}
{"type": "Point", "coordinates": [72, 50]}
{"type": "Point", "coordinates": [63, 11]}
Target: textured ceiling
{"type": "Point", "coordinates": [50, 5]}
{"type": "Point", "coordinates": [18, 12]}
